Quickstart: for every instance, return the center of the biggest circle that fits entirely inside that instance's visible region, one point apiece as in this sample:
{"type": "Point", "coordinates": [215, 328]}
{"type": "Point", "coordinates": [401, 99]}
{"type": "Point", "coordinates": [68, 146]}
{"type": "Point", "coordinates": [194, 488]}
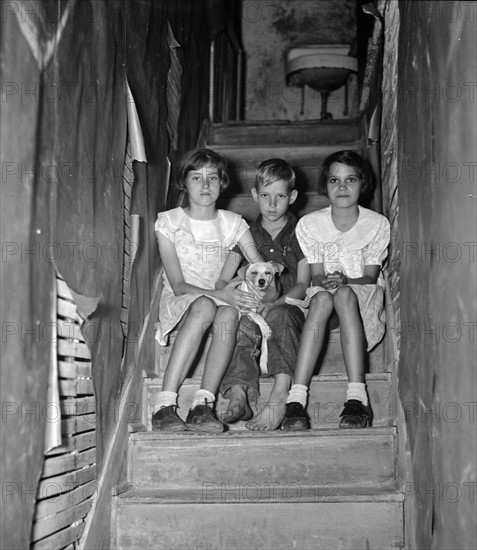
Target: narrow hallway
{"type": "Point", "coordinates": [100, 99]}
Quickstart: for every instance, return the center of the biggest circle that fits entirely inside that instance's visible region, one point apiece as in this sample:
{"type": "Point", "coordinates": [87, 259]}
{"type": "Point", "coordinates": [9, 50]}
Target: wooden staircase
{"type": "Point", "coordinates": [303, 145]}
{"type": "Point", "coordinates": [326, 488]}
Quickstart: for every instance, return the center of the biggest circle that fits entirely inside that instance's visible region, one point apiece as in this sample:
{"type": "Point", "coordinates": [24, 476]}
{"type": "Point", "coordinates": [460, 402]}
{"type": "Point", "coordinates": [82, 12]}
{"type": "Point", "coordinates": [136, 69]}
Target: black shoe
{"type": "Point", "coordinates": [355, 415]}
{"type": "Point", "coordinates": [203, 419]}
{"type": "Point", "coordinates": [296, 418]}
{"type": "Point", "coordinates": [167, 420]}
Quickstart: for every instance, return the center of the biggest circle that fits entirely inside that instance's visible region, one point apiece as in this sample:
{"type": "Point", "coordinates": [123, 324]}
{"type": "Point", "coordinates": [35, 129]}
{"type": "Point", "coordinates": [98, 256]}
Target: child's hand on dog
{"type": "Point", "coordinates": [239, 298]}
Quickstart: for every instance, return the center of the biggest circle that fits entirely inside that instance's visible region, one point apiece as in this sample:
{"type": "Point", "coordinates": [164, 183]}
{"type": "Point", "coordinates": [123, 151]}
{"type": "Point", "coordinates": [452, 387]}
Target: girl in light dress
{"type": "Point", "coordinates": [195, 245]}
{"type": "Point", "coordinates": [345, 245]}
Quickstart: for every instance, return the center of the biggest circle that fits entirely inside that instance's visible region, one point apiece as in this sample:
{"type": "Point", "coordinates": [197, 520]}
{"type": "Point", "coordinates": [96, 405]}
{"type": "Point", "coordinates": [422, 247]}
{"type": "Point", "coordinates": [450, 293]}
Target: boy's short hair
{"type": "Point", "coordinates": [272, 170]}
{"type": "Point", "coordinates": [197, 159]}
{"type": "Point", "coordinates": [356, 161]}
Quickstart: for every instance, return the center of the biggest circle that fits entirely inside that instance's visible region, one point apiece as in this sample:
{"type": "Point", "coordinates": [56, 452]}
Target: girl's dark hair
{"type": "Point", "coordinates": [350, 158]}
{"type": "Point", "coordinates": [197, 159]}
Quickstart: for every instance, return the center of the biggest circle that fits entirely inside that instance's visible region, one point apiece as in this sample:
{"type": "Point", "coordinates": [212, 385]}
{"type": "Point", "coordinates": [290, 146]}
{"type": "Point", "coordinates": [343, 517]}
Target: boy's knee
{"type": "Point", "coordinates": [285, 317]}
{"type": "Point", "coordinates": [277, 314]}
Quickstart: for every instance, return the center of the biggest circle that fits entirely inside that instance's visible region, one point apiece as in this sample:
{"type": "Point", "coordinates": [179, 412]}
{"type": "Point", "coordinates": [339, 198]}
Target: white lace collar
{"type": "Point", "coordinates": [356, 238]}
{"type": "Point", "coordinates": [222, 229]}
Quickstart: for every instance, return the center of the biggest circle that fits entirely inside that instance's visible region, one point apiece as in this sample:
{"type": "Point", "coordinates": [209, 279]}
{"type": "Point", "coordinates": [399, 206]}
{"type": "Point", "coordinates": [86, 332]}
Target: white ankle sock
{"type": "Point", "coordinates": [201, 397]}
{"type": "Point", "coordinates": [298, 394]}
{"type": "Point", "coordinates": [166, 398]}
{"type": "Point", "coordinates": [357, 390]}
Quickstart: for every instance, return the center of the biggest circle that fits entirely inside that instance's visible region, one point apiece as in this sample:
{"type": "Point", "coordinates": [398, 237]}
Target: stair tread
{"type": "Point", "coordinates": [328, 492]}
{"type": "Point", "coordinates": [276, 435]}
{"type": "Point", "coordinates": [327, 393]}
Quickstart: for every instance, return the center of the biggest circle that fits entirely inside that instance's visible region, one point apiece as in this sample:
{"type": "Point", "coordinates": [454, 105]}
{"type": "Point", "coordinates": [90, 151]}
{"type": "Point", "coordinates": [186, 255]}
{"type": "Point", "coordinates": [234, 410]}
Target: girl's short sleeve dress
{"type": "Point", "coordinates": [366, 243]}
{"type": "Point", "coordinates": [201, 247]}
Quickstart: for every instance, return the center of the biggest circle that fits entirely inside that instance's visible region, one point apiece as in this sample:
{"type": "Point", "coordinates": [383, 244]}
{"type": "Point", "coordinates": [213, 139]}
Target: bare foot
{"type": "Point", "coordinates": [271, 415]}
{"type": "Point", "coordinates": [269, 418]}
{"type": "Point", "coordinates": [238, 407]}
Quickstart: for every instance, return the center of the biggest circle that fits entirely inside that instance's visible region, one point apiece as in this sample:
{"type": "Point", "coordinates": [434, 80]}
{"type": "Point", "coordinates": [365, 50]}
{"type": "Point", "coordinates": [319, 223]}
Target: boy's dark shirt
{"type": "Point", "coordinates": [284, 249]}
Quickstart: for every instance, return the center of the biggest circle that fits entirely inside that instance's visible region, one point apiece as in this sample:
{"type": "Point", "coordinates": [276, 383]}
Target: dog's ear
{"type": "Point", "coordinates": [279, 267]}
{"type": "Point", "coordinates": [242, 271]}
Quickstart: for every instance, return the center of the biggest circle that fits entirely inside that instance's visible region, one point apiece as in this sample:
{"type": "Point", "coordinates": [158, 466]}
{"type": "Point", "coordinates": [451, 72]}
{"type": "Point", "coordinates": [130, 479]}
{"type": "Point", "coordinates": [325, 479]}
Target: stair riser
{"type": "Point", "coordinates": [325, 401]}
{"type": "Point", "coordinates": [306, 461]}
{"type": "Point", "coordinates": [327, 525]}
{"type": "Point", "coordinates": [330, 362]}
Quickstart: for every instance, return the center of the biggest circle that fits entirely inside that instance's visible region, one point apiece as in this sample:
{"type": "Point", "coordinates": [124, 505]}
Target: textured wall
{"type": "Point", "coordinates": [24, 311]}
{"type": "Point", "coordinates": [269, 29]}
{"type": "Point", "coordinates": [389, 149]}
{"type": "Point", "coordinates": [437, 140]}
{"type": "Point", "coordinates": [63, 134]}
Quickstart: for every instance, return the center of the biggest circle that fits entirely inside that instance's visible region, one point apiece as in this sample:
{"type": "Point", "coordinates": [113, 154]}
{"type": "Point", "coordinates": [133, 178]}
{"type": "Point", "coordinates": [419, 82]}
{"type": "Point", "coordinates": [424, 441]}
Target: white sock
{"type": "Point", "coordinates": [166, 398]}
{"type": "Point", "coordinates": [357, 390]}
{"type": "Point", "coordinates": [202, 397]}
{"type": "Point", "coordinates": [298, 394]}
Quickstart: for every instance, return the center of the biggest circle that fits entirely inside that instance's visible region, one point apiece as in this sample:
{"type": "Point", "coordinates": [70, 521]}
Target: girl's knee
{"type": "Point", "coordinates": [227, 314]}
{"type": "Point", "coordinates": [226, 322]}
{"type": "Point", "coordinates": [321, 300]}
{"type": "Point", "coordinates": [345, 297]}
{"type": "Point", "coordinates": [203, 307]}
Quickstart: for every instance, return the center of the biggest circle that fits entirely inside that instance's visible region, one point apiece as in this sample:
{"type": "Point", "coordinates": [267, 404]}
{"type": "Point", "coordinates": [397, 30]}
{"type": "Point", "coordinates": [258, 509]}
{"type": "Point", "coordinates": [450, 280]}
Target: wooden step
{"type": "Point", "coordinates": [251, 133]}
{"type": "Point", "coordinates": [190, 460]}
{"type": "Point", "coordinates": [255, 517]}
{"type": "Point", "coordinates": [326, 397]}
{"type": "Point", "coordinates": [242, 163]}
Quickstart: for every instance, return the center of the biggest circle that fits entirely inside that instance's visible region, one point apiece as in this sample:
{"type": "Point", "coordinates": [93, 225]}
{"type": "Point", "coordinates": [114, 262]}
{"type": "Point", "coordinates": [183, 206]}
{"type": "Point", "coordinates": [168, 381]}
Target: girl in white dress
{"type": "Point", "coordinates": [194, 245]}
{"type": "Point", "coordinates": [345, 245]}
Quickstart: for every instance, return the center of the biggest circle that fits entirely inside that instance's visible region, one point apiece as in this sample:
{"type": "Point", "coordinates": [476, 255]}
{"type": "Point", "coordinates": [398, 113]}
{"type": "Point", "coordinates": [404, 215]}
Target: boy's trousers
{"type": "Point", "coordinates": [286, 323]}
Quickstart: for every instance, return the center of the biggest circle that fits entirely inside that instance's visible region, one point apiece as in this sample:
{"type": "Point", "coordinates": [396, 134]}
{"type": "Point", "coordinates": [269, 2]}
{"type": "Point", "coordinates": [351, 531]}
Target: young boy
{"type": "Point", "coordinates": [274, 235]}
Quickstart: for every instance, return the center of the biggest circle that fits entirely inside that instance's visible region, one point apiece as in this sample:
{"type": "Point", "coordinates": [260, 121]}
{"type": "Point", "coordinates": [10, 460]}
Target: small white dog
{"type": "Point", "coordinates": [261, 280]}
